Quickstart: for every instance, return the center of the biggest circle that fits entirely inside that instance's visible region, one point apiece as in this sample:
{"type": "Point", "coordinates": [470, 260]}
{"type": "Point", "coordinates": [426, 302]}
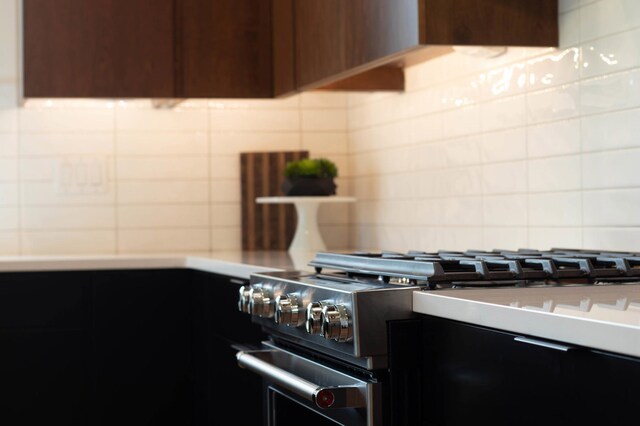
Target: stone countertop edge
{"type": "Point", "coordinates": [607, 336]}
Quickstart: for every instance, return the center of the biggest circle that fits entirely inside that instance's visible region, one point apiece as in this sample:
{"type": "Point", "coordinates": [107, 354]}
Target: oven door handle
{"type": "Point", "coordinates": [294, 373]}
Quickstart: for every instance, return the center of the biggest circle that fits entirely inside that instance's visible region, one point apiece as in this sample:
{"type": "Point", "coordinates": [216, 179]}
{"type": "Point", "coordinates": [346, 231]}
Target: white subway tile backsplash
{"type": "Point", "coordinates": [226, 238]}
{"type": "Point", "coordinates": [554, 68]}
{"type": "Point", "coordinates": [9, 193]}
{"type": "Point", "coordinates": [560, 209]}
{"type": "Point", "coordinates": [8, 94]}
{"type": "Point", "coordinates": [624, 238]}
{"type": "Point", "coordinates": [8, 144]}
{"type": "Point", "coordinates": [602, 18]}
{"type": "Point", "coordinates": [611, 207]}
{"type": "Point", "coordinates": [499, 82]}
{"type": "Point", "coordinates": [509, 238]}
{"type": "Point", "coordinates": [8, 169]}
{"type": "Point", "coordinates": [34, 193]}
{"type": "Point", "coordinates": [52, 144]}
{"type": "Point", "coordinates": [9, 243]}
{"type": "Point", "coordinates": [68, 242]}
{"type": "Point", "coordinates": [163, 168]}
{"type": "Point", "coordinates": [67, 217]}
{"type": "Point", "coordinates": [504, 113]}
{"type": "Point", "coordinates": [556, 138]}
{"type": "Point", "coordinates": [254, 120]}
{"type": "Point", "coordinates": [166, 143]}
{"type": "Point", "coordinates": [318, 99]}
{"type": "Point", "coordinates": [9, 39]}
{"type": "Point", "coordinates": [145, 120]}
{"type": "Point", "coordinates": [569, 31]}
{"type": "Point", "coordinates": [504, 145]}
{"type": "Point", "coordinates": [611, 131]}
{"type": "Point", "coordinates": [503, 178]}
{"type": "Point", "coordinates": [461, 121]}
{"type": "Point", "coordinates": [555, 174]}
{"type": "Point", "coordinates": [612, 54]}
{"type": "Point", "coordinates": [166, 240]}
{"type": "Point", "coordinates": [324, 143]}
{"type": "Point", "coordinates": [8, 120]}
{"type": "Point", "coordinates": [548, 238]}
{"type": "Point", "coordinates": [58, 120]}
{"type": "Point", "coordinates": [163, 192]}
{"type": "Point", "coordinates": [610, 92]}
{"type": "Point", "coordinates": [553, 104]}
{"type": "Point", "coordinates": [235, 142]}
{"type": "Point", "coordinates": [612, 169]}
{"type": "Point", "coordinates": [226, 215]}
{"type": "Point", "coordinates": [161, 216]}
{"type": "Point", "coordinates": [505, 210]}
{"type": "Point", "coordinates": [326, 120]}
{"type": "Point", "coordinates": [225, 191]}
{"type": "Point", "coordinates": [9, 219]}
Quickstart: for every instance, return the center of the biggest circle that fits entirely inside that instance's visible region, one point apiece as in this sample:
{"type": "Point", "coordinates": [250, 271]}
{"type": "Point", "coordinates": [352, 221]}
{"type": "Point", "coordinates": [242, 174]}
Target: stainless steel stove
{"type": "Point", "coordinates": [340, 316]}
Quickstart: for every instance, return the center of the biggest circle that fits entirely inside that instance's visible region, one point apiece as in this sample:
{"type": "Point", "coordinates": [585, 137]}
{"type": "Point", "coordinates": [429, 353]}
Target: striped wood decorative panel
{"type": "Point", "coordinates": [266, 226]}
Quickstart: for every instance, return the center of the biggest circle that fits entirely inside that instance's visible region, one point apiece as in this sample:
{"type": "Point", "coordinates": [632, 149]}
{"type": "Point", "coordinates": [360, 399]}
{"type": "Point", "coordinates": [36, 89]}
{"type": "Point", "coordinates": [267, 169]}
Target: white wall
{"type": "Point", "coordinates": [535, 148]}
{"type": "Point", "coordinates": [158, 180]}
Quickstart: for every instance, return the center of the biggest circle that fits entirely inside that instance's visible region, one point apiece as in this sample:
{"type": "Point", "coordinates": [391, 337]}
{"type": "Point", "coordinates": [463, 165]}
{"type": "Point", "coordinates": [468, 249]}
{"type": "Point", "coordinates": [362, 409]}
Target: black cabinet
{"type": "Point", "coordinates": [474, 374]}
{"type": "Point", "coordinates": [126, 347]}
{"type": "Point", "coordinates": [45, 348]}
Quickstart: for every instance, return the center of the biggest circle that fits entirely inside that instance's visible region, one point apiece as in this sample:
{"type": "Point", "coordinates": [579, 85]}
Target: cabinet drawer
{"type": "Point", "coordinates": [44, 300]}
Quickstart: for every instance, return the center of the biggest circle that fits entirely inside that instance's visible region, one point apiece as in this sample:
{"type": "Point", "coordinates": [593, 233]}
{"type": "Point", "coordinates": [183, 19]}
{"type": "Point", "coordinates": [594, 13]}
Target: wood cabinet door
{"type": "Point", "coordinates": [224, 48]}
{"type": "Point", "coordinates": [99, 48]}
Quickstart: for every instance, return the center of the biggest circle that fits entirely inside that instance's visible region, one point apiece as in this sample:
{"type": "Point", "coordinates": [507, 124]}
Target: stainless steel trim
{"type": "Point", "coordinates": [306, 378]}
{"type": "Point", "coordinates": [556, 346]}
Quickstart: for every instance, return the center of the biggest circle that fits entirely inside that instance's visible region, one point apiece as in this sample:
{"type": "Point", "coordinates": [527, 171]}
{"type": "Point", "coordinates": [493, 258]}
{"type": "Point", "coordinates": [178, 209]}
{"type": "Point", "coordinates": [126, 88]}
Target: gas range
{"type": "Point", "coordinates": [342, 308]}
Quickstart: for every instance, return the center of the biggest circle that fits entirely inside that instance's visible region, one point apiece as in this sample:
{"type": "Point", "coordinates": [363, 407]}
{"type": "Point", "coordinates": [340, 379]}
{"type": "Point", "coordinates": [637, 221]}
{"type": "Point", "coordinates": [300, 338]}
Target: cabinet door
{"type": "Point", "coordinates": [225, 48]}
{"type": "Point", "coordinates": [473, 374]}
{"type": "Point", "coordinates": [98, 48]}
{"type": "Point", "coordinates": [143, 348]}
{"type": "Point", "coordinates": [45, 348]}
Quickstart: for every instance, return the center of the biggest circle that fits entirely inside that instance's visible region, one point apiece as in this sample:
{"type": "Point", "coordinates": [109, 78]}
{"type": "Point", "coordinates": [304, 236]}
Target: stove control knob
{"type": "Point", "coordinates": [336, 324]}
{"type": "Point", "coordinates": [313, 322]}
{"type": "Point", "coordinates": [260, 302]}
{"type": "Point", "coordinates": [288, 310]}
{"type": "Point", "coordinates": [243, 299]}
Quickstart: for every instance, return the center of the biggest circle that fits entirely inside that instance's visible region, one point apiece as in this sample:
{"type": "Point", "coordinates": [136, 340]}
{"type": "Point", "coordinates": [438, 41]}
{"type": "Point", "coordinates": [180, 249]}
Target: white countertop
{"type": "Point", "coordinates": [606, 317]}
{"type": "Point", "coordinates": [600, 317]}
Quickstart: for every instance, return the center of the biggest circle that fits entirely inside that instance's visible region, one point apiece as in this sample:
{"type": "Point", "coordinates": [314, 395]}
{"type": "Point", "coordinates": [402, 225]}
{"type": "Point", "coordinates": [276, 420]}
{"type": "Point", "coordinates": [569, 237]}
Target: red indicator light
{"type": "Point", "coordinates": [325, 398]}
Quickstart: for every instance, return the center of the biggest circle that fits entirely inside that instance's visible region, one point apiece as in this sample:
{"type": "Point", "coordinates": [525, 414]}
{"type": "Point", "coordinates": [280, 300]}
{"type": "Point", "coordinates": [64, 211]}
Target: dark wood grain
{"type": "Point", "coordinates": [384, 78]}
{"type": "Point", "coordinates": [282, 48]}
{"type": "Point", "coordinates": [98, 48]}
{"type": "Point", "coordinates": [266, 226]}
{"type": "Point", "coordinates": [225, 48]}
{"type": "Point", "coordinates": [495, 22]}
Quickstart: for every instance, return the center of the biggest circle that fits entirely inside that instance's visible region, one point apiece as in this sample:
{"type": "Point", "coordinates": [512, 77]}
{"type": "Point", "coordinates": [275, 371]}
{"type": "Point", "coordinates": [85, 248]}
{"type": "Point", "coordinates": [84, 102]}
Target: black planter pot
{"type": "Point", "coordinates": [308, 186]}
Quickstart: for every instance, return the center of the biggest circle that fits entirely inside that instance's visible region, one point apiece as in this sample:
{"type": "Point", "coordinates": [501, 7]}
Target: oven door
{"type": "Point", "coordinates": [299, 388]}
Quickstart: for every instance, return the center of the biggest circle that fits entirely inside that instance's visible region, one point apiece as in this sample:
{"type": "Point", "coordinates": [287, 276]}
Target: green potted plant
{"type": "Point", "coordinates": [310, 176]}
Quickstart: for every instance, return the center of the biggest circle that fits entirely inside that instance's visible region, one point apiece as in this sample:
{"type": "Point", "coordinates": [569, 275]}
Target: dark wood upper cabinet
{"type": "Point", "coordinates": [147, 48]}
{"type": "Point", "coordinates": [339, 41]}
{"type": "Point", "coordinates": [99, 48]}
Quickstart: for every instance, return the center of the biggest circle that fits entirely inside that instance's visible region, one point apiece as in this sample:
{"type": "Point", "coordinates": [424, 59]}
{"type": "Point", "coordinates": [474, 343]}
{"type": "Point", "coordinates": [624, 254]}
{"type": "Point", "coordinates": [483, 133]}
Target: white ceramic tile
{"type": "Point", "coordinates": [461, 151]}
{"type": "Point", "coordinates": [165, 143]}
{"type": "Point", "coordinates": [9, 243]}
{"type": "Point", "coordinates": [548, 238]}
{"type": "Point", "coordinates": [9, 218]}
{"type": "Point", "coordinates": [163, 192]}
{"type": "Point", "coordinates": [463, 211]}
{"type": "Point", "coordinates": [611, 54]}
{"type": "Point", "coordinates": [565, 5]}
{"type": "Point", "coordinates": [237, 142]}
{"type": "Point", "coordinates": [52, 144]}
{"type": "Point", "coordinates": [8, 193]}
{"type": "Point", "coordinates": [8, 94]}
{"type": "Point", "coordinates": [68, 242]}
{"type": "Point", "coordinates": [38, 169]}
{"type": "Point", "coordinates": [502, 178]}
{"type": "Point", "coordinates": [76, 217]}
{"type": "Point", "coordinates": [226, 238]}
{"type": "Point", "coordinates": [34, 193]}
{"type": "Point", "coordinates": [51, 120]}
{"type": "Point", "coordinates": [163, 216]}
{"type": "Point", "coordinates": [505, 210]}
{"type": "Point", "coordinates": [461, 121]}
{"type": "Point", "coordinates": [611, 92]}
{"type": "Point", "coordinates": [225, 191]}
{"type": "Point", "coordinates": [327, 120]}
{"type": "Point", "coordinates": [226, 215]}
{"type": "Point", "coordinates": [460, 182]}
{"type": "Point", "coordinates": [254, 120]}
{"type": "Point", "coordinates": [555, 174]}
{"type": "Point", "coordinates": [424, 128]}
{"type": "Point", "coordinates": [611, 131]}
{"type": "Point", "coordinates": [8, 169]}
{"type": "Point", "coordinates": [612, 207]}
{"type": "Point", "coordinates": [616, 239]}
{"type": "Point", "coordinates": [499, 82]}
{"type": "Point", "coordinates": [554, 68]}
{"type": "Point", "coordinates": [553, 104]}
{"type": "Point", "coordinates": [611, 169]}
{"type": "Point", "coordinates": [161, 120]}
{"type": "Point", "coordinates": [224, 167]}
{"type": "Point", "coordinates": [457, 238]}
{"type": "Point", "coordinates": [558, 209]}
{"type": "Point", "coordinates": [163, 240]}
{"type": "Point", "coordinates": [325, 143]}
{"type": "Point", "coordinates": [504, 113]}
{"type": "Point", "coordinates": [603, 18]}
{"type": "Point", "coordinates": [504, 145]}
{"type": "Point", "coordinates": [8, 120]}
{"type": "Point", "coordinates": [163, 168]}
{"type": "Point", "coordinates": [321, 99]}
{"type": "Point", "coordinates": [508, 238]}
{"type": "Point", "coordinates": [461, 93]}
{"type": "Point", "coordinates": [555, 138]}
{"type": "Point", "coordinates": [9, 39]}
{"type": "Point", "coordinates": [289, 102]}
{"type": "Point", "coordinates": [336, 237]}
{"type": "Point", "coordinates": [569, 28]}
{"type": "Point", "coordinates": [8, 144]}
